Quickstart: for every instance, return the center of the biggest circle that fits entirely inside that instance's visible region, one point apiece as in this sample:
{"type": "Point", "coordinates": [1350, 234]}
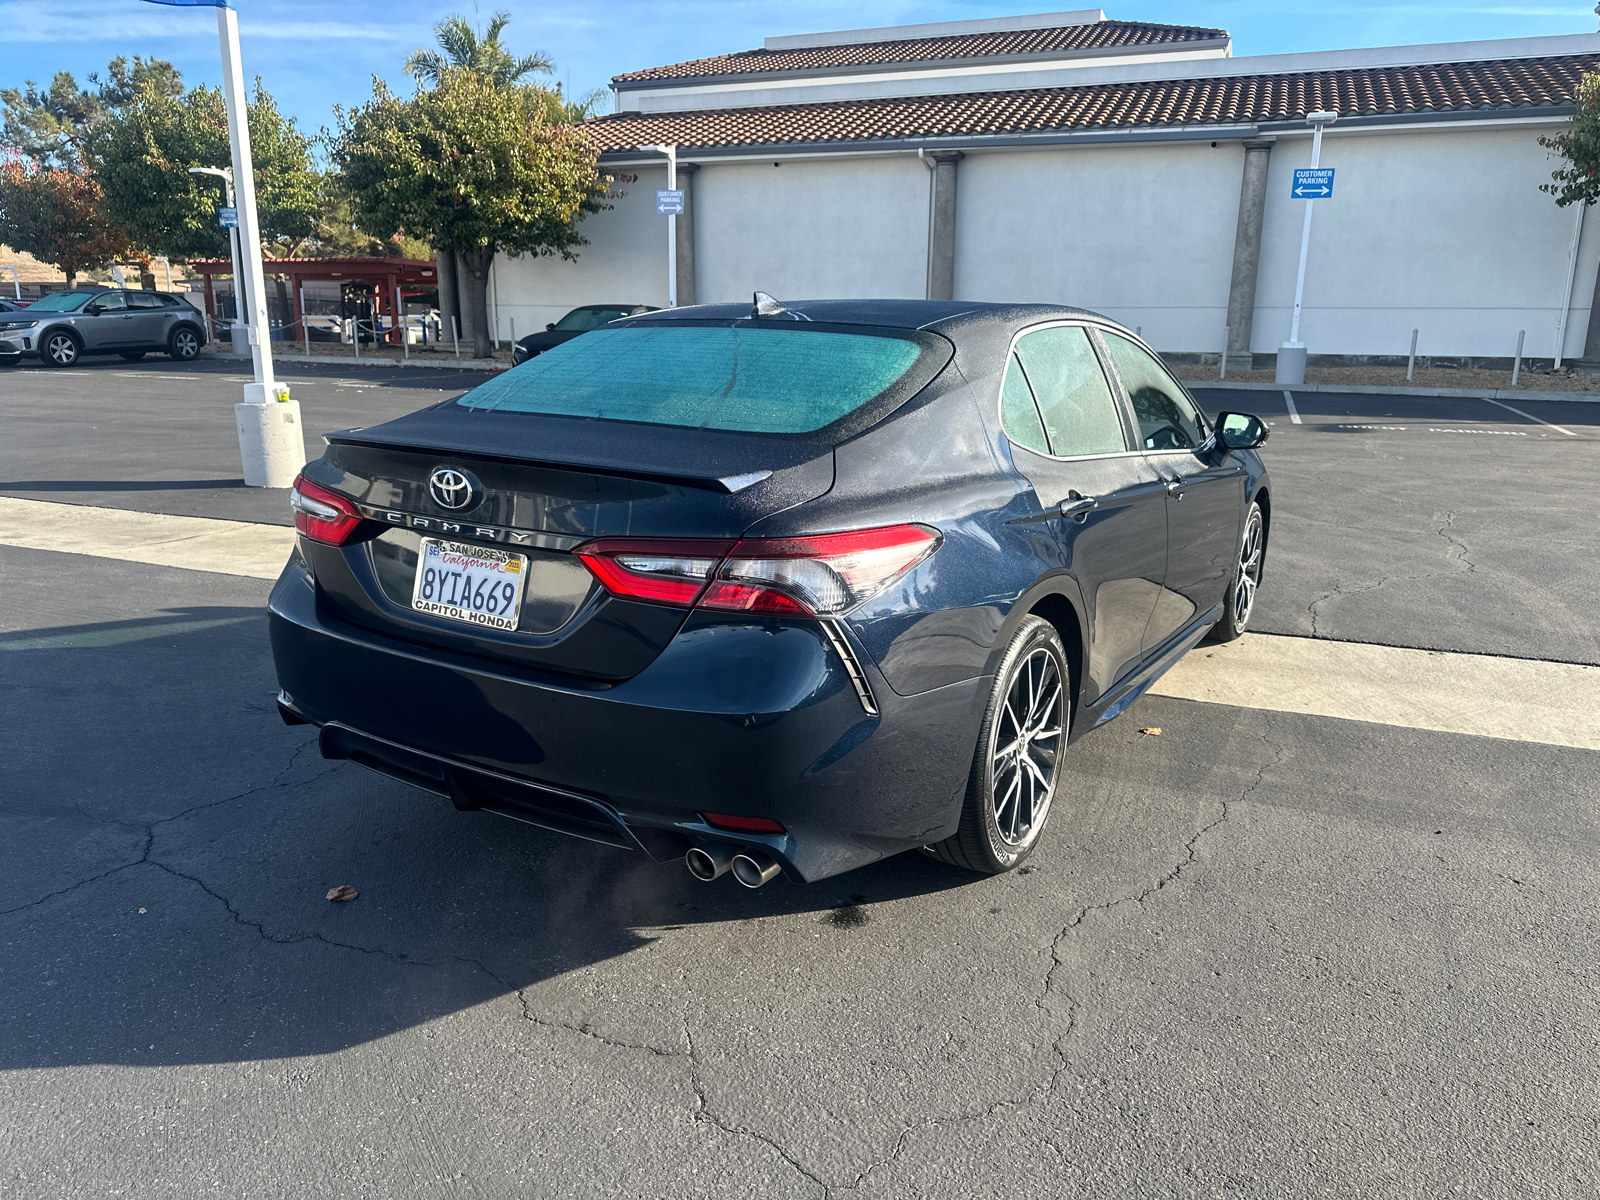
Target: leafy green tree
{"type": "Point", "coordinates": [338, 236]}
{"type": "Point", "coordinates": [465, 48]}
{"type": "Point", "coordinates": [143, 160]}
{"type": "Point", "coordinates": [473, 166]}
{"type": "Point", "coordinates": [54, 126]}
{"type": "Point", "coordinates": [1579, 144]}
{"type": "Point", "coordinates": [125, 83]}
{"type": "Point", "coordinates": [58, 216]}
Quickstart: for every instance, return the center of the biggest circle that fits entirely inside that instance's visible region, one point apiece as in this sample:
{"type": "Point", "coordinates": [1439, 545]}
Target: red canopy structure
{"type": "Point", "coordinates": [412, 275]}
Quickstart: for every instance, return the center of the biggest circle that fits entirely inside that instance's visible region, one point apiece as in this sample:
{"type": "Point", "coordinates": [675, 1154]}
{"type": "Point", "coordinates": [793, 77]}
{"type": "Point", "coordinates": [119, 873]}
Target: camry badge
{"type": "Point", "coordinates": [453, 489]}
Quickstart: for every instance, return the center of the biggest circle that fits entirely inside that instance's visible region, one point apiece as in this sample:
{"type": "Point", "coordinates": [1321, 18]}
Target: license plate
{"type": "Point", "coordinates": [474, 584]}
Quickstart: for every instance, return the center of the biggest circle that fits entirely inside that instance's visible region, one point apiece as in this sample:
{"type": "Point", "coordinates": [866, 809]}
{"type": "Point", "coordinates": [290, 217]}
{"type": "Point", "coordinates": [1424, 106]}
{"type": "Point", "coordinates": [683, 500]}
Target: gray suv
{"type": "Point", "coordinates": [64, 326]}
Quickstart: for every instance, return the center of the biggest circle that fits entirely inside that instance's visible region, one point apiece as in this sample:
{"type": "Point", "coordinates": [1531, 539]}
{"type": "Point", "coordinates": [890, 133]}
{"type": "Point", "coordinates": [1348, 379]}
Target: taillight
{"type": "Point", "coordinates": [658, 570]}
{"type": "Point", "coordinates": [820, 575]}
{"type": "Point", "coordinates": [321, 515]}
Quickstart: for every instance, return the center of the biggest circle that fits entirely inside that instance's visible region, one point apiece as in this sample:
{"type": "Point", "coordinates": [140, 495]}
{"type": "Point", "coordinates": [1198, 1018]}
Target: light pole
{"type": "Point", "coordinates": [672, 224]}
{"type": "Point", "coordinates": [237, 331]}
{"type": "Point", "coordinates": [1292, 354]}
{"type": "Point", "coordinates": [271, 444]}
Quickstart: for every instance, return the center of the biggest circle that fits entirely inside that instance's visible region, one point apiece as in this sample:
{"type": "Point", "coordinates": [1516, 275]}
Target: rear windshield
{"type": "Point", "coordinates": [755, 379]}
{"type": "Point", "coordinates": [60, 301]}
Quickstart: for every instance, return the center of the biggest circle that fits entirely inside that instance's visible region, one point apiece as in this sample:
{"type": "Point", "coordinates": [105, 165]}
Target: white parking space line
{"type": "Point", "coordinates": [1555, 704]}
{"type": "Point", "coordinates": [195, 543]}
{"type": "Point", "coordinates": [1532, 418]}
{"type": "Point", "coordinates": [206, 376]}
{"type": "Point", "coordinates": [1294, 413]}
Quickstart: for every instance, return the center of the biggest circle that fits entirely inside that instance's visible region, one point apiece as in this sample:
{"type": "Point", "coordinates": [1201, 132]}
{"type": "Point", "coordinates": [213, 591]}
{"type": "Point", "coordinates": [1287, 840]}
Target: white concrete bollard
{"type": "Point", "coordinates": [271, 442]}
{"type": "Point", "coordinates": [1291, 363]}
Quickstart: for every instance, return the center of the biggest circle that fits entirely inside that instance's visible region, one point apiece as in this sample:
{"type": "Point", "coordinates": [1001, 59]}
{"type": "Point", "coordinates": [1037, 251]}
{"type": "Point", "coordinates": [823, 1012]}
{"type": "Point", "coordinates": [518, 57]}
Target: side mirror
{"type": "Point", "coordinates": [94, 310]}
{"type": "Point", "coordinates": [1241, 431]}
{"type": "Point", "coordinates": [550, 328]}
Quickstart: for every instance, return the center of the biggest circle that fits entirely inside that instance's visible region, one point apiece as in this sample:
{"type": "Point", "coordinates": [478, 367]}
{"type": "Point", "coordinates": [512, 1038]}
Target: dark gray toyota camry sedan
{"type": "Point", "coordinates": [775, 588]}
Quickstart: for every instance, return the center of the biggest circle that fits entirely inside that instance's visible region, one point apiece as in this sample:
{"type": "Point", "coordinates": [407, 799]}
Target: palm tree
{"type": "Point", "coordinates": [558, 110]}
{"type": "Point", "coordinates": [466, 48]}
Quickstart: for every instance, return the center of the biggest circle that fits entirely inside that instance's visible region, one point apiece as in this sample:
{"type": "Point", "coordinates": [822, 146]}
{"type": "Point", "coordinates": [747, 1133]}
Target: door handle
{"type": "Point", "coordinates": [1078, 506]}
{"type": "Point", "coordinates": [1176, 486]}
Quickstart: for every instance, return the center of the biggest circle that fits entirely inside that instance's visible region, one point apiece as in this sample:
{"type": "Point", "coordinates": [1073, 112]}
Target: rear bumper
{"type": "Point", "coordinates": [755, 718]}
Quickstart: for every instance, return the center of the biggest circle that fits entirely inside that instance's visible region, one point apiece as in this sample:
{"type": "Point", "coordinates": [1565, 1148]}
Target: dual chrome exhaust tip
{"type": "Point", "coordinates": [750, 865]}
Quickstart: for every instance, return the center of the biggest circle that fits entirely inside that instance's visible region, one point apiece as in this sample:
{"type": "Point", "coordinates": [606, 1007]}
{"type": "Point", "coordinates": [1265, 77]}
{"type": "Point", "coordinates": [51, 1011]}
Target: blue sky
{"type": "Point", "coordinates": [313, 54]}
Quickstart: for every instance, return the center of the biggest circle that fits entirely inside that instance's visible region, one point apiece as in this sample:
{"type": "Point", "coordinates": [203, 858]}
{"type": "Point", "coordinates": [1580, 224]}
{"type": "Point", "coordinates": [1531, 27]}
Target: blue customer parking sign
{"type": "Point", "coordinates": [1312, 183]}
{"type": "Point", "coordinates": [669, 201]}
{"type": "Point", "coordinates": [228, 218]}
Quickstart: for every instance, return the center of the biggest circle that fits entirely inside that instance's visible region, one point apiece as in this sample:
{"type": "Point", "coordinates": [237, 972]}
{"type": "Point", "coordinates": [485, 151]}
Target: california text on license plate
{"type": "Point", "coordinates": [469, 583]}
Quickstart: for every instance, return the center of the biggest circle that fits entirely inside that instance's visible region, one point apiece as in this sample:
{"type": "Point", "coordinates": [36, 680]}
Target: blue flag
{"type": "Point", "coordinates": [195, 3]}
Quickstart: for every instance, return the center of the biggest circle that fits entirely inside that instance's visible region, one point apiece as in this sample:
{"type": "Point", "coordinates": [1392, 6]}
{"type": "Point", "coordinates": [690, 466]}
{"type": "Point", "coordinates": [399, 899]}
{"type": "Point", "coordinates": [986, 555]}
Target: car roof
{"type": "Point", "coordinates": [942, 316]}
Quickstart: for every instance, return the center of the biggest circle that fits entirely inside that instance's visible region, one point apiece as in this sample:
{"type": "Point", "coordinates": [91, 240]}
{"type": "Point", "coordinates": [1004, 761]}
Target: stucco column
{"type": "Point", "coordinates": [1247, 251]}
{"type": "Point", "coordinates": [1590, 361]}
{"type": "Point", "coordinates": [685, 234]}
{"type": "Point", "coordinates": [942, 237]}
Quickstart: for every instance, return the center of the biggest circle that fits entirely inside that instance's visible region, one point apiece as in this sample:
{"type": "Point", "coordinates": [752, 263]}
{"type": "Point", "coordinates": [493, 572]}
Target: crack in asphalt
{"type": "Point", "coordinates": [703, 1112]}
{"type": "Point", "coordinates": [585, 1030]}
{"type": "Point", "coordinates": [1445, 531]}
{"type": "Point", "coordinates": [149, 828]}
{"type": "Point", "coordinates": [1458, 555]}
{"type": "Point", "coordinates": [1051, 987]}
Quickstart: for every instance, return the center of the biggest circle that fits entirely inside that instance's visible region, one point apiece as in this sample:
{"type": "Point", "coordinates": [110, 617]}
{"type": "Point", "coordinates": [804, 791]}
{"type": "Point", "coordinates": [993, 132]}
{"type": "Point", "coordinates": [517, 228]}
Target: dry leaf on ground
{"type": "Point", "coordinates": [1151, 731]}
{"type": "Point", "coordinates": [343, 892]}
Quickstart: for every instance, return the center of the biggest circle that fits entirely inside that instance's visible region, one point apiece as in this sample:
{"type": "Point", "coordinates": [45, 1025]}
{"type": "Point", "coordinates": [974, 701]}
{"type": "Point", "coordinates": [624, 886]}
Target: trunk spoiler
{"type": "Point", "coordinates": [713, 460]}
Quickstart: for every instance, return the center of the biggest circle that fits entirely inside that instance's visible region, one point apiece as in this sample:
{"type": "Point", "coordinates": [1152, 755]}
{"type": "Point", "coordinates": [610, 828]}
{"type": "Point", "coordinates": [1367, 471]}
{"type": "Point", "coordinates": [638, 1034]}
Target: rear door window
{"type": "Point", "coordinates": [789, 379]}
{"type": "Point", "coordinates": [1167, 419]}
{"type": "Point", "coordinates": [1079, 411]}
{"type": "Point", "coordinates": [1020, 414]}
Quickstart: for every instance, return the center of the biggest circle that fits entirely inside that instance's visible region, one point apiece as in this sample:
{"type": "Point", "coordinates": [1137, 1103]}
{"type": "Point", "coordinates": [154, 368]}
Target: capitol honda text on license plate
{"type": "Point", "coordinates": [469, 583]}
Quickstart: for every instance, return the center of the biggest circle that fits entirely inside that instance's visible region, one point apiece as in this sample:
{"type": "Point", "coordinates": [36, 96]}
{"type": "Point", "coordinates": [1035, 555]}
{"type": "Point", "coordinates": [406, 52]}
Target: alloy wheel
{"type": "Point", "coordinates": [63, 351]}
{"type": "Point", "coordinates": [184, 344]}
{"type": "Point", "coordinates": [1026, 743]}
{"type": "Point", "coordinates": [1244, 592]}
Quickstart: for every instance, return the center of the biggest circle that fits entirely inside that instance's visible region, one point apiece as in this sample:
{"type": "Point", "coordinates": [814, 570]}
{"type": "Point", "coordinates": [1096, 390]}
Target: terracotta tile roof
{"type": "Point", "coordinates": [1248, 99]}
{"type": "Point", "coordinates": [1100, 35]}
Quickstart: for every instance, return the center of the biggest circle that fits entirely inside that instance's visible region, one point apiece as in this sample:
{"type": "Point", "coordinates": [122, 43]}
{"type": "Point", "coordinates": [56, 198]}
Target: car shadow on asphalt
{"type": "Point", "coordinates": [170, 846]}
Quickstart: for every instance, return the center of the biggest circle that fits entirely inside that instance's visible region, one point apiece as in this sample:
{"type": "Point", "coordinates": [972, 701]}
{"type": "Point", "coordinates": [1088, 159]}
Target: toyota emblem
{"type": "Point", "coordinates": [453, 489]}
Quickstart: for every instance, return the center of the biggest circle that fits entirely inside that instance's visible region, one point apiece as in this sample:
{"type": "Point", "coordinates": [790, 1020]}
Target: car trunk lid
{"type": "Point", "coordinates": [538, 488]}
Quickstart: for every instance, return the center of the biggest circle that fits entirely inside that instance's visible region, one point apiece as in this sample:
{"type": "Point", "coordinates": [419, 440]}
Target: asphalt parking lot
{"type": "Point", "coordinates": [1265, 953]}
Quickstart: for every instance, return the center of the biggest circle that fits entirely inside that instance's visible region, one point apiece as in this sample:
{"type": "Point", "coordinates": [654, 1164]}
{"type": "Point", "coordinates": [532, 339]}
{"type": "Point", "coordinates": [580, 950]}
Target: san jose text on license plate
{"type": "Point", "coordinates": [475, 584]}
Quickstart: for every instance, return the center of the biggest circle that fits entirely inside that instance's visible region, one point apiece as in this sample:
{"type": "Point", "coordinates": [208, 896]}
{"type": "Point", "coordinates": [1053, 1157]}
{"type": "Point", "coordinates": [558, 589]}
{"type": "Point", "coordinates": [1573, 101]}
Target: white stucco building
{"type": "Point", "coordinates": [1139, 170]}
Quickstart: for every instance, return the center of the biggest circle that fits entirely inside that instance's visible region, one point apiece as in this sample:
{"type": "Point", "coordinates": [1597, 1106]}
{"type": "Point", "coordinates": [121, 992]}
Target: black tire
{"type": "Point", "coordinates": [131, 355]}
{"type": "Point", "coordinates": [1008, 803]}
{"type": "Point", "coordinates": [1240, 601]}
{"type": "Point", "coordinates": [184, 344]}
{"type": "Point", "coordinates": [58, 348]}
